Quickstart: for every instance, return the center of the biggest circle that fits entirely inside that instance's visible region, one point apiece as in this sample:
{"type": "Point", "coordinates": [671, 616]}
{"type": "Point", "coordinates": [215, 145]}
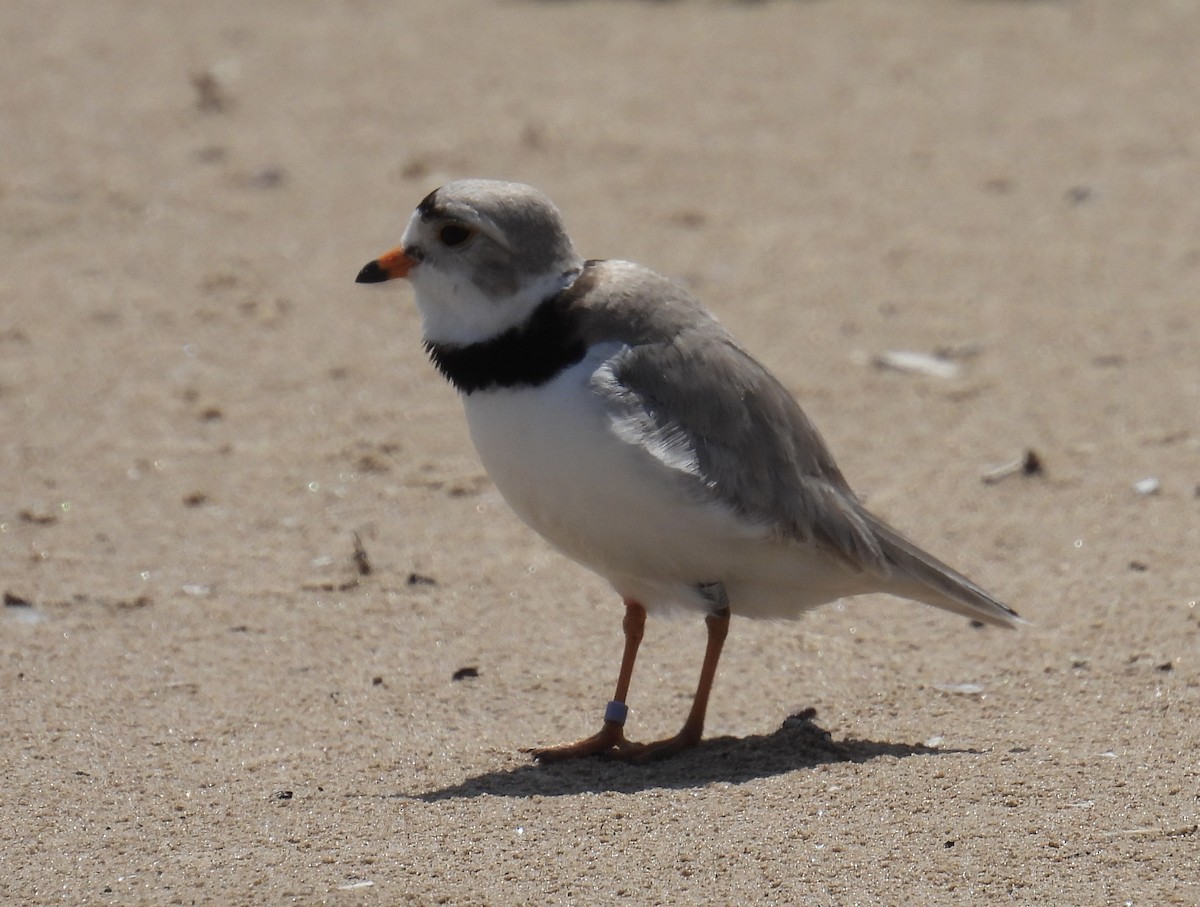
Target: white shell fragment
{"type": "Point", "coordinates": [960, 689]}
{"type": "Point", "coordinates": [1148, 485]}
{"type": "Point", "coordinates": [918, 364]}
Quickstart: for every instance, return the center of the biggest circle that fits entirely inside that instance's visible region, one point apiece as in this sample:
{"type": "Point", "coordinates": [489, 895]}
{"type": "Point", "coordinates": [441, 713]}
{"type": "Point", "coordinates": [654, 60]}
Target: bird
{"type": "Point", "coordinates": [622, 422]}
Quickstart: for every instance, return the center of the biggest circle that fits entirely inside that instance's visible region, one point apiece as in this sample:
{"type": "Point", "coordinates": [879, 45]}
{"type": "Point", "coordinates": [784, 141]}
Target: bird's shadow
{"type": "Point", "coordinates": [732, 760]}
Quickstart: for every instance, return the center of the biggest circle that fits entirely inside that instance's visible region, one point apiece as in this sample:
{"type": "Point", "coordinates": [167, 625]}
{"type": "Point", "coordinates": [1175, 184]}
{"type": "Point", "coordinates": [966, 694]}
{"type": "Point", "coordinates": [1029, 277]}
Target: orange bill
{"type": "Point", "coordinates": [388, 266]}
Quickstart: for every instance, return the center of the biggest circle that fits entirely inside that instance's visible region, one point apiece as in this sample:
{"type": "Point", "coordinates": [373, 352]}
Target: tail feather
{"type": "Point", "coordinates": [922, 577]}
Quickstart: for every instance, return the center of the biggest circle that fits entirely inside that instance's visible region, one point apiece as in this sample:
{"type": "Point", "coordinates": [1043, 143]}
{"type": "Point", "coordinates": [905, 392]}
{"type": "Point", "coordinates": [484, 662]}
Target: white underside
{"type": "Point", "coordinates": [609, 503]}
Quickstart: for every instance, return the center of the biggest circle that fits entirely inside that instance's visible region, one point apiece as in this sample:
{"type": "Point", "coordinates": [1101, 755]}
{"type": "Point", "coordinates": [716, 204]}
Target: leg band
{"type": "Point", "coordinates": [616, 711]}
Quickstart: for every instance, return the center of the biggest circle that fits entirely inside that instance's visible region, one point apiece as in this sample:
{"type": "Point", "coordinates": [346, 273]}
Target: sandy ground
{"type": "Point", "coordinates": [205, 703]}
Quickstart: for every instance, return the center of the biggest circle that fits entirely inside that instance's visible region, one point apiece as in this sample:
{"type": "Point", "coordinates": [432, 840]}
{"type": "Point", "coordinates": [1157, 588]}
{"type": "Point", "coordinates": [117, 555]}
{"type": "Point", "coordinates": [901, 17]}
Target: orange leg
{"type": "Point", "coordinates": [611, 736]}
{"type": "Point", "coordinates": [693, 729]}
{"type": "Point", "coordinates": [610, 739]}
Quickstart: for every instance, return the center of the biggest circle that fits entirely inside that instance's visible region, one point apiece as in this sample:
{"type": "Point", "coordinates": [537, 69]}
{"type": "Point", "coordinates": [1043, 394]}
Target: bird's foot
{"type": "Point", "coordinates": [639, 753]}
{"type": "Point", "coordinates": [608, 741]}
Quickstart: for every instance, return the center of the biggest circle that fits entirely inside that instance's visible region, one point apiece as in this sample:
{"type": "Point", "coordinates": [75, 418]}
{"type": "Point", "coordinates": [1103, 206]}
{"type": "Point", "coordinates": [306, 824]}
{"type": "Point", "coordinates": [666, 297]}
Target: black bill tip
{"type": "Point", "coordinates": [372, 272]}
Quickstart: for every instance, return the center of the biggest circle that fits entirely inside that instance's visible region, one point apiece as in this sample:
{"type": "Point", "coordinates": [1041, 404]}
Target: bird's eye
{"type": "Point", "coordinates": [454, 234]}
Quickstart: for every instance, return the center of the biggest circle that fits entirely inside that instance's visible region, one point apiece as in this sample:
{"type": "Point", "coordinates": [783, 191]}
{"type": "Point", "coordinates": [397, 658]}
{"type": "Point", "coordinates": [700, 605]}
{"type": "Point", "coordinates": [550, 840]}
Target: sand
{"type": "Point", "coordinates": [206, 700]}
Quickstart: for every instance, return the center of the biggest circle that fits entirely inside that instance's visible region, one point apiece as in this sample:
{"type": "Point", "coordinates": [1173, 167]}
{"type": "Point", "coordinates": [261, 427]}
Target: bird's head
{"type": "Point", "coordinates": [480, 255]}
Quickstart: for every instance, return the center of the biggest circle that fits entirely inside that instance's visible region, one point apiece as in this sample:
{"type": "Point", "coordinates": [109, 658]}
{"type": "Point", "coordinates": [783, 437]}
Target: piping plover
{"type": "Point", "coordinates": [624, 424]}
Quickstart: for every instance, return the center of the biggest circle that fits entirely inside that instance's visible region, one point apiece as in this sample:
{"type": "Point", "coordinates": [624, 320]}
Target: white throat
{"type": "Point", "coordinates": [455, 311]}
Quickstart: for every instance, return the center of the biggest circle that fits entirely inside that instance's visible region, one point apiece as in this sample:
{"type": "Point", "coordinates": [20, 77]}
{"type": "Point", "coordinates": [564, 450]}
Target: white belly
{"type": "Point", "coordinates": [613, 507]}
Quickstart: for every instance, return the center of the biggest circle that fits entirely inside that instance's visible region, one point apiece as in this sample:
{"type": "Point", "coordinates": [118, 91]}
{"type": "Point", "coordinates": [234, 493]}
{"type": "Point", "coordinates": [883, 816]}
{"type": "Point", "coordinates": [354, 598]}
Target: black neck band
{"type": "Point", "coordinates": [524, 356]}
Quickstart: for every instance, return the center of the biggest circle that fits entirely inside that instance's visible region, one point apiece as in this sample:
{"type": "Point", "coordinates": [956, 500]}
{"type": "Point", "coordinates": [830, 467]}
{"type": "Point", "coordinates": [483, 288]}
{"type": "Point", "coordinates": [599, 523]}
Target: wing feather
{"type": "Point", "coordinates": [700, 405]}
{"type": "Point", "coordinates": [683, 391]}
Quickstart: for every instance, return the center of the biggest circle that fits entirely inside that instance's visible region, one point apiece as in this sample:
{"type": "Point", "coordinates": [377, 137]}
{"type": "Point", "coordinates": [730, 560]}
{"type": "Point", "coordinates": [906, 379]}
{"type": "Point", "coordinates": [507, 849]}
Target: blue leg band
{"type": "Point", "coordinates": [616, 711]}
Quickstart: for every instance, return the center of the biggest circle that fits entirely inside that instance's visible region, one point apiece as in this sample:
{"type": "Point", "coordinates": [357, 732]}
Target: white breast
{"type": "Point", "coordinates": [558, 461]}
{"type": "Point", "coordinates": [630, 513]}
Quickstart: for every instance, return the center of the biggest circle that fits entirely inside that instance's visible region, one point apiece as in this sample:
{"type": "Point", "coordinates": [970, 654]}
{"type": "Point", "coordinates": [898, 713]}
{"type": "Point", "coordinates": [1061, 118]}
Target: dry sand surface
{"type": "Point", "coordinates": [204, 702]}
